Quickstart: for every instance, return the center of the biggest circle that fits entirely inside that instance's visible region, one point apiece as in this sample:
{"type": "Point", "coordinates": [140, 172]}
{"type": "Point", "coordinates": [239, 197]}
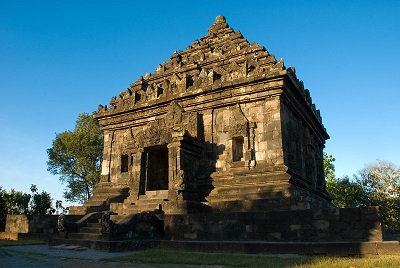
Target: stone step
{"type": "Point", "coordinates": [136, 210]}
{"type": "Point", "coordinates": [132, 209]}
{"type": "Point", "coordinates": [136, 206]}
{"type": "Point", "coordinates": [111, 190]}
{"type": "Point", "coordinates": [257, 205]}
{"type": "Point", "coordinates": [246, 189]}
{"type": "Point", "coordinates": [243, 196]}
{"type": "Point", "coordinates": [117, 218]}
{"type": "Point", "coordinates": [145, 197]}
{"type": "Point", "coordinates": [87, 236]}
{"type": "Point", "coordinates": [94, 202]}
{"type": "Point", "coordinates": [83, 210]}
{"type": "Point", "coordinates": [159, 194]}
{"type": "Point", "coordinates": [148, 202]}
{"type": "Point", "coordinates": [93, 224]}
{"type": "Point", "coordinates": [111, 186]}
{"type": "Point", "coordinates": [102, 199]}
{"type": "Point", "coordinates": [93, 230]}
{"type": "Point", "coordinates": [245, 179]}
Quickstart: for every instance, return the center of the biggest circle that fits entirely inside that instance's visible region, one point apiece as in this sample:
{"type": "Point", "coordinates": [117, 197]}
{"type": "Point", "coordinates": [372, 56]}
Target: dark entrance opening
{"type": "Point", "coordinates": [237, 149]}
{"type": "Point", "coordinates": [124, 163]}
{"type": "Point", "coordinates": [154, 169]}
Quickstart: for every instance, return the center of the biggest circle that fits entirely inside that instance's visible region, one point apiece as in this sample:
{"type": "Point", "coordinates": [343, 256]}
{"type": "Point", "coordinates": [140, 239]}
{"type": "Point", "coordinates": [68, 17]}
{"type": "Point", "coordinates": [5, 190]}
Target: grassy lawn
{"type": "Point", "coordinates": [246, 260]}
{"type": "Point", "coordinates": [4, 242]}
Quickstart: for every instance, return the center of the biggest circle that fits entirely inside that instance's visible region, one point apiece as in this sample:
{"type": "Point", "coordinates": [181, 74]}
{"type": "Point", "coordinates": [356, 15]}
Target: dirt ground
{"type": "Point", "coordinates": [42, 256]}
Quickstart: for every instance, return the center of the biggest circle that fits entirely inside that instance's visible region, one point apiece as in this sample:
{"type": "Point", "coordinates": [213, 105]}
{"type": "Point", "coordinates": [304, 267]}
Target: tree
{"type": "Point", "coordinates": [344, 192]}
{"type": "Point", "coordinates": [16, 202]}
{"type": "Point", "coordinates": [41, 203]}
{"type": "Point", "coordinates": [381, 183]}
{"type": "Point", "coordinates": [329, 167]}
{"type": "Point", "coordinates": [76, 156]}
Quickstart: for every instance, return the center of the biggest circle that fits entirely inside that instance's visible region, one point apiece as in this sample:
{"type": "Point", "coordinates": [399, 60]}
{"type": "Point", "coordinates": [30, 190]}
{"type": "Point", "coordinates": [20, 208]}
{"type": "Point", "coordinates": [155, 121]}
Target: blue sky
{"type": "Point", "coordinates": [62, 58]}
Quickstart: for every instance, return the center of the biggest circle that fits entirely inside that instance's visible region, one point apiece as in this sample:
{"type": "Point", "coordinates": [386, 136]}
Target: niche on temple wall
{"type": "Point", "coordinates": [237, 149]}
{"type": "Point", "coordinates": [124, 163]}
{"type": "Point", "coordinates": [240, 137]}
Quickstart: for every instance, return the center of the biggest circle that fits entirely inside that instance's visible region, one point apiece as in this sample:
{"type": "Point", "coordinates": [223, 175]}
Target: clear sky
{"type": "Point", "coordinates": [62, 58]}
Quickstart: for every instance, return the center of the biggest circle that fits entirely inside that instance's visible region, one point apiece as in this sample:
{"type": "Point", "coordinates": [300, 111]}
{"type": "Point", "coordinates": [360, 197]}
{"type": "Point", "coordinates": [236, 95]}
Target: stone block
{"type": "Point", "coordinates": [322, 225]}
{"type": "Point", "coordinates": [276, 236]}
{"type": "Point", "coordinates": [306, 235]}
{"type": "Point", "coordinates": [250, 228]}
{"type": "Point", "coordinates": [295, 227]}
{"type": "Point", "coordinates": [370, 213]}
{"type": "Point", "coordinates": [321, 214]}
{"type": "Point", "coordinates": [349, 214]}
{"type": "Point", "coordinates": [388, 248]}
{"type": "Point", "coordinates": [354, 231]}
{"type": "Point", "coordinates": [190, 235]}
{"type": "Point", "coordinates": [373, 230]}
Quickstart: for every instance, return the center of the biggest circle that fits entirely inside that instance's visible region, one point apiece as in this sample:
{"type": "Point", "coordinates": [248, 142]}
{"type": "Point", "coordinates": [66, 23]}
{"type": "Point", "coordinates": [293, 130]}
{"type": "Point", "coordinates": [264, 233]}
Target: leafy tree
{"type": "Point", "coordinates": [381, 183]}
{"type": "Point", "coordinates": [344, 192]}
{"type": "Point", "coordinates": [76, 156]}
{"type": "Point", "coordinates": [60, 208]}
{"type": "Point", "coordinates": [16, 202]}
{"type": "Point", "coordinates": [329, 167]}
{"type": "Point", "coordinates": [41, 203]}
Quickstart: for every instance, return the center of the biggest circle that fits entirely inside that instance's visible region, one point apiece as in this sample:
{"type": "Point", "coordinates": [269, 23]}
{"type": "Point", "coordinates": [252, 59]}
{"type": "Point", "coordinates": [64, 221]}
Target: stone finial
{"type": "Point", "coordinates": [220, 19]}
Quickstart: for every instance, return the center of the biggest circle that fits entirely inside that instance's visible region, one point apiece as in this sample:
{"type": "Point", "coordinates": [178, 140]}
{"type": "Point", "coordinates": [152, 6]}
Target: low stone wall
{"type": "Point", "coordinates": [31, 224]}
{"type": "Point", "coordinates": [347, 224]}
{"type": "Point", "coordinates": [43, 224]}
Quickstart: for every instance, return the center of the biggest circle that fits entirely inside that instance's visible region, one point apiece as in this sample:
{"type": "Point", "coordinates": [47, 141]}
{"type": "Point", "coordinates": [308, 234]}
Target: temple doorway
{"type": "Point", "coordinates": [154, 169]}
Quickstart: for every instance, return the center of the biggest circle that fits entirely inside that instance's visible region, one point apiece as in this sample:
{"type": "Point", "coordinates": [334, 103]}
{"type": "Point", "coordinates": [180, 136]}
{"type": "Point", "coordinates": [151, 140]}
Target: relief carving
{"type": "Point", "coordinates": [239, 126]}
{"type": "Point", "coordinates": [174, 117]}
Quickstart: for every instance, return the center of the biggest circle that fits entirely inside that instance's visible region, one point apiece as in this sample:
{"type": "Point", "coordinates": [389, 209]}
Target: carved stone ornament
{"type": "Point", "coordinates": [61, 223]}
{"type": "Point", "coordinates": [106, 223]}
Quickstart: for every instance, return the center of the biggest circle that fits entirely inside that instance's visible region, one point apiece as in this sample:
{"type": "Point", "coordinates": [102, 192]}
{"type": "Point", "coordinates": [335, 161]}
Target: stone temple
{"type": "Point", "coordinates": [221, 142]}
{"type": "Point", "coordinates": [221, 126]}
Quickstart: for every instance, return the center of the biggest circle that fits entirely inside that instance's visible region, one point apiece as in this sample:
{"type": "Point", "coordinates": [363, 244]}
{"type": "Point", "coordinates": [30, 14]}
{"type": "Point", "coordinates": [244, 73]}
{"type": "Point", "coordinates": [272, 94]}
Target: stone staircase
{"type": "Point", "coordinates": [104, 194]}
{"type": "Point", "coordinates": [89, 233]}
{"type": "Point", "coordinates": [151, 201]}
{"type": "Point", "coordinates": [92, 231]}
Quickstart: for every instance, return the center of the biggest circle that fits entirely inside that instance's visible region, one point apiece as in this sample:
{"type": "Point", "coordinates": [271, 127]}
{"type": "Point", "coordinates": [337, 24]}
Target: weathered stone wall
{"type": "Point", "coordinates": [303, 142]}
{"type": "Point", "coordinates": [257, 122]}
{"type": "Point", "coordinates": [31, 224]}
{"type": "Point", "coordinates": [350, 224]}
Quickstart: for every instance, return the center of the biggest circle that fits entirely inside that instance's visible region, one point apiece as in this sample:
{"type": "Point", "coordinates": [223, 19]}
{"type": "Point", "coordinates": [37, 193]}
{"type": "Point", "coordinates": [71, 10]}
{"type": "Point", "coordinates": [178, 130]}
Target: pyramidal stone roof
{"type": "Point", "coordinates": [222, 58]}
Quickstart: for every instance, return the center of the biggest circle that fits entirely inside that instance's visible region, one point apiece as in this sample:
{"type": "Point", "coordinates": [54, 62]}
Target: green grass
{"type": "Point", "coordinates": [196, 258]}
{"type": "Point", "coordinates": [339, 262]}
{"type": "Point", "coordinates": [246, 260]}
{"type": "Point", "coordinates": [4, 242]}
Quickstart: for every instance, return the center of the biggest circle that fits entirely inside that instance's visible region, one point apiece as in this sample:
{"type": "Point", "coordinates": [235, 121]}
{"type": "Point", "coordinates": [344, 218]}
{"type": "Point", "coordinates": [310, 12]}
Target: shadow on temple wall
{"type": "Point", "coordinates": [197, 181]}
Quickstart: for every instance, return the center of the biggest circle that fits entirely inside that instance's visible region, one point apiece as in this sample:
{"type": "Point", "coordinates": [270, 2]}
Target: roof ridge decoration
{"type": "Point", "coordinates": [221, 58]}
